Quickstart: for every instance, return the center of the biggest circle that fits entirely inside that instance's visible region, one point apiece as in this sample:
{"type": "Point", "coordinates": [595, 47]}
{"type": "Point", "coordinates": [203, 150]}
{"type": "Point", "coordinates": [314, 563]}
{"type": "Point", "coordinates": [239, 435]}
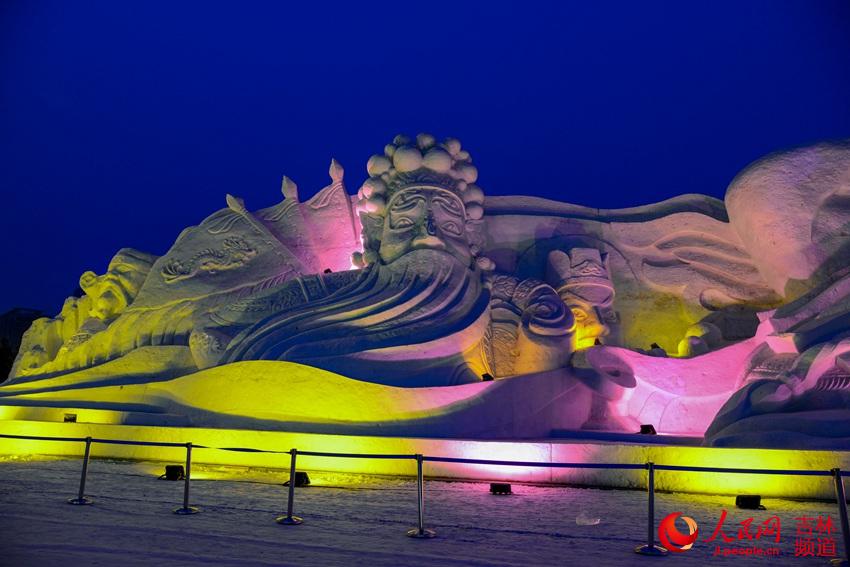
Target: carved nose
{"type": "Point", "coordinates": [430, 226]}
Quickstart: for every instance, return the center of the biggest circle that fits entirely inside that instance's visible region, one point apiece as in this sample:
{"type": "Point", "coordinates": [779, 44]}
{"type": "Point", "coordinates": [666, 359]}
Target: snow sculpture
{"type": "Point", "coordinates": [792, 211]}
{"type": "Point", "coordinates": [50, 345]}
{"type": "Point", "coordinates": [797, 384]}
{"type": "Point", "coordinates": [402, 303]}
{"type": "Point", "coordinates": [421, 311]}
{"type": "Point", "coordinates": [231, 254]}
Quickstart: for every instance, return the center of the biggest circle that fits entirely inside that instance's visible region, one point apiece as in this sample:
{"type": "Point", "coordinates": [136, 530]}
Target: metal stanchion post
{"type": "Point", "coordinates": [81, 498]}
{"type": "Point", "coordinates": [650, 548]}
{"type": "Point", "coordinates": [420, 531]}
{"type": "Point", "coordinates": [186, 509]}
{"type": "Point", "coordinates": [842, 510]}
{"type": "Point", "coordinates": [289, 519]}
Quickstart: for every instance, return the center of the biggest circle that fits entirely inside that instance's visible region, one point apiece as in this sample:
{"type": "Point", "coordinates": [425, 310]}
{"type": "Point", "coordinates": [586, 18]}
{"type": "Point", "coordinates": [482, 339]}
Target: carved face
{"type": "Point", "coordinates": [425, 217]}
{"type": "Point", "coordinates": [588, 325]}
{"type": "Point", "coordinates": [112, 291]}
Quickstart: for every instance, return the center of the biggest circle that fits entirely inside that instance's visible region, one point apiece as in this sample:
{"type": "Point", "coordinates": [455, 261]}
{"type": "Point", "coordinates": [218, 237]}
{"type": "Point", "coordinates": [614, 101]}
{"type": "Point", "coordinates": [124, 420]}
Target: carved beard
{"type": "Point", "coordinates": [423, 296]}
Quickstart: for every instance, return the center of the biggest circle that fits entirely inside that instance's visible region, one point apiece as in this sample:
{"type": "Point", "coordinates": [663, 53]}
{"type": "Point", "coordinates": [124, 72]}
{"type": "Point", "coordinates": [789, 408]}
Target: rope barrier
{"type": "Point", "coordinates": [461, 460]}
{"type": "Point", "coordinates": [789, 472]}
{"type": "Point", "coordinates": [35, 438]}
{"type": "Point", "coordinates": [535, 463]}
{"type": "Point", "coordinates": [420, 531]}
{"type": "Point", "coordinates": [141, 443]}
{"type": "Point", "coordinates": [241, 449]}
{"type": "Point", "coordinates": [354, 455]}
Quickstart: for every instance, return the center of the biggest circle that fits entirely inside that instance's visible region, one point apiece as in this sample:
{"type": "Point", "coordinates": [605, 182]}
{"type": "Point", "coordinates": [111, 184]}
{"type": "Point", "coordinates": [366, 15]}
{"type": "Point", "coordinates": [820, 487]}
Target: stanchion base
{"type": "Point", "coordinates": [185, 511]}
{"type": "Point", "coordinates": [421, 534]}
{"type": "Point", "coordinates": [289, 520]}
{"type": "Point", "coordinates": [652, 550]}
{"type": "Point", "coordinates": [80, 501]}
{"type": "Point", "coordinates": [838, 562]}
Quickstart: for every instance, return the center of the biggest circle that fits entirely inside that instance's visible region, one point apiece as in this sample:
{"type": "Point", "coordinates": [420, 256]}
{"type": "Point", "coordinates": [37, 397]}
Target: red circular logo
{"type": "Point", "coordinates": [674, 540]}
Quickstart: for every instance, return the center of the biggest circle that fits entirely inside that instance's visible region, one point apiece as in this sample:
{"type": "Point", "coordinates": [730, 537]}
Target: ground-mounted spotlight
{"type": "Point", "coordinates": [647, 429]}
{"type": "Point", "coordinates": [500, 488]}
{"type": "Point", "coordinates": [749, 502]}
{"type": "Point", "coordinates": [486, 377]}
{"type": "Point", "coordinates": [301, 479]}
{"type": "Point", "coordinates": [173, 472]}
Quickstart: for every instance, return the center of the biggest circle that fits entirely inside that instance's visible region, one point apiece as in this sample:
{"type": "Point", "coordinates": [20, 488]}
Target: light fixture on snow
{"type": "Point", "coordinates": [647, 429]}
{"type": "Point", "coordinates": [749, 502]}
{"type": "Point", "coordinates": [500, 488]}
{"type": "Point", "coordinates": [301, 479]}
{"type": "Point", "coordinates": [173, 472]}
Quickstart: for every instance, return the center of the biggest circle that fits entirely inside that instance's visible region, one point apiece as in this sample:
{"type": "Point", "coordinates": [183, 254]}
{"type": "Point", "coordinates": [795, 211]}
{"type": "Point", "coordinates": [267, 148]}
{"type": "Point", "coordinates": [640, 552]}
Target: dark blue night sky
{"type": "Point", "coordinates": [123, 122]}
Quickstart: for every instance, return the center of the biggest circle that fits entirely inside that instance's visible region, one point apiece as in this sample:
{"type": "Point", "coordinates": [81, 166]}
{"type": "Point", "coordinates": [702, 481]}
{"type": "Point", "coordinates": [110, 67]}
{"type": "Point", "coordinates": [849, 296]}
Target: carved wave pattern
{"type": "Point", "coordinates": [725, 269]}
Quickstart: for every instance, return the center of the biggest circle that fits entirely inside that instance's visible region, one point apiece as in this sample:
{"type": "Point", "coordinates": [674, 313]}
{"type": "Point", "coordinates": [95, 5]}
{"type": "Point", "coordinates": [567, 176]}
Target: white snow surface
{"type": "Point", "coordinates": [348, 520]}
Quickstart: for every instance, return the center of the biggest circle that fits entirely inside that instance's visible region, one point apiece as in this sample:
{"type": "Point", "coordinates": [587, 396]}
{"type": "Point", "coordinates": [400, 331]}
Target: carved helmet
{"type": "Point", "coordinates": [422, 162]}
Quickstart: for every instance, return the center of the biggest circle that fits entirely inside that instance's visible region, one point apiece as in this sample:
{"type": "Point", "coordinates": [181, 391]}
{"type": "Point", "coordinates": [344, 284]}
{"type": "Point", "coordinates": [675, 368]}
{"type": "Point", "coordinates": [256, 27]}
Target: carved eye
{"type": "Point", "coordinates": [406, 201]}
{"type": "Point", "coordinates": [452, 227]}
{"type": "Point", "coordinates": [403, 222]}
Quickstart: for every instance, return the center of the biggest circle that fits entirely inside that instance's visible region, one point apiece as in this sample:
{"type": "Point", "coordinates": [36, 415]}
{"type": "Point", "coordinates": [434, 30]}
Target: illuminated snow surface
{"type": "Point", "coordinates": [348, 520]}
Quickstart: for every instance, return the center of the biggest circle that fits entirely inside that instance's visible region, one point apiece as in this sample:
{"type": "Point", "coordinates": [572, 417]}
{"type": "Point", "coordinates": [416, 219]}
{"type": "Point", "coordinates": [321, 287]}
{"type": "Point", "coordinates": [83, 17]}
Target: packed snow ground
{"type": "Point", "coordinates": [348, 520]}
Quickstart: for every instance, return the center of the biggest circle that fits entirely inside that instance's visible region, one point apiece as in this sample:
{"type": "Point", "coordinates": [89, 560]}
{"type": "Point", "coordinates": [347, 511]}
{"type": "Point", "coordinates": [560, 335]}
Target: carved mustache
{"type": "Point", "coordinates": [427, 241]}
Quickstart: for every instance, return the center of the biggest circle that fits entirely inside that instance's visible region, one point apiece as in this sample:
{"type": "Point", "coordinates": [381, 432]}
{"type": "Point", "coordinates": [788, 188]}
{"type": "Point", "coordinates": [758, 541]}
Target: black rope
{"type": "Point", "coordinates": [142, 443]}
{"type": "Point", "coordinates": [534, 463]}
{"type": "Point", "coordinates": [354, 455]}
{"type": "Point", "coordinates": [76, 439]}
{"type": "Point", "coordinates": [242, 449]}
{"type": "Point", "coordinates": [790, 472]}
